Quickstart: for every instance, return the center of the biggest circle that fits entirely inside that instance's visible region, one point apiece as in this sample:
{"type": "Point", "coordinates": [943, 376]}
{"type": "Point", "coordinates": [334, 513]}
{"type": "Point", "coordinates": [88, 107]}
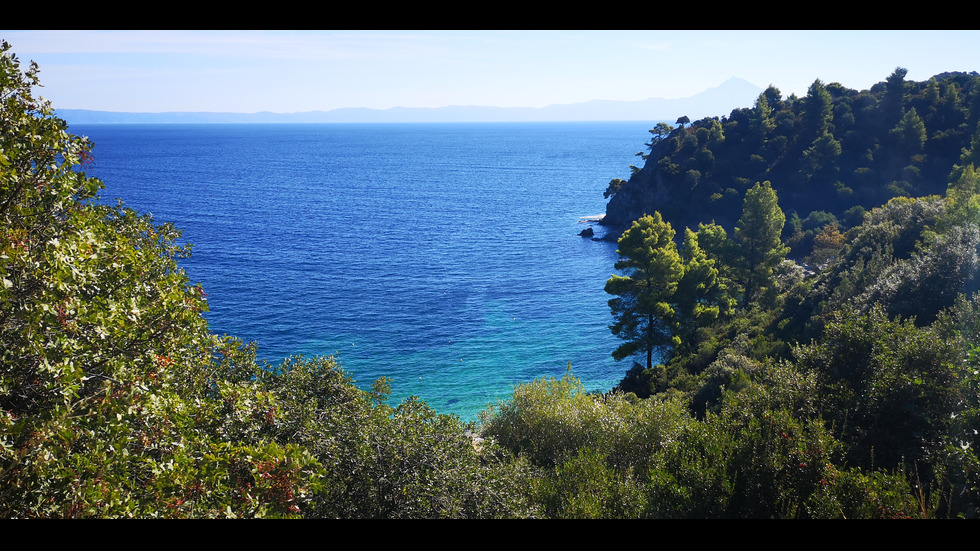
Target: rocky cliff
{"type": "Point", "coordinates": [647, 191]}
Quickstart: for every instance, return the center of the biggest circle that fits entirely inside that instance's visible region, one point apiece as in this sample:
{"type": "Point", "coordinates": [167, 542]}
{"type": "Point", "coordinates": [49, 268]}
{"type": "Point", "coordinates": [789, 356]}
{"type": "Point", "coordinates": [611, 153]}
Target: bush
{"type": "Point", "coordinates": [378, 461]}
{"type": "Point", "coordinates": [549, 421]}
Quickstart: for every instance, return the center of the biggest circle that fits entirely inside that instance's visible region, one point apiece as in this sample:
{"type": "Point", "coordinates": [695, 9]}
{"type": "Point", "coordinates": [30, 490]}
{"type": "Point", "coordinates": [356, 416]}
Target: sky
{"type": "Point", "coordinates": [295, 71]}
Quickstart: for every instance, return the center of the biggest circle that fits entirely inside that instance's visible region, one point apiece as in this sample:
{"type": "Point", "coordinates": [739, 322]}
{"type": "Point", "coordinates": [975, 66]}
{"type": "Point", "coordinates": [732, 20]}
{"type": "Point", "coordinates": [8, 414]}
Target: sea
{"type": "Point", "coordinates": [443, 256]}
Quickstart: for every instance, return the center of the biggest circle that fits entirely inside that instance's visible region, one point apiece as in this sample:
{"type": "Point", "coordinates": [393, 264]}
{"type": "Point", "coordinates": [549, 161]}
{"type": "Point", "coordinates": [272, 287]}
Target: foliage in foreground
{"type": "Point", "coordinates": [613, 456]}
{"type": "Point", "coordinates": [117, 401]}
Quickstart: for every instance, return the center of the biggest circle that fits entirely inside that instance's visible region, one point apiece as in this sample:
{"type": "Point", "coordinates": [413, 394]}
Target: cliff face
{"type": "Point", "coordinates": [647, 191]}
{"type": "Point", "coordinates": [643, 191]}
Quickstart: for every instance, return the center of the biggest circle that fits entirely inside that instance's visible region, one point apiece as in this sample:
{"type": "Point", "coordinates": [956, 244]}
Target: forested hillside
{"type": "Point", "coordinates": [854, 317]}
{"type": "Point", "coordinates": [847, 387]}
{"type": "Point", "coordinates": [830, 155]}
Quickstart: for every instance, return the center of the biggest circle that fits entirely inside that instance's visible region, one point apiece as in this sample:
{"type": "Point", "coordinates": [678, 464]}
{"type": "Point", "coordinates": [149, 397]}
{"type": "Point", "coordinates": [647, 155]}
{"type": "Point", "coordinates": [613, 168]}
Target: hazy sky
{"type": "Point", "coordinates": [291, 71]}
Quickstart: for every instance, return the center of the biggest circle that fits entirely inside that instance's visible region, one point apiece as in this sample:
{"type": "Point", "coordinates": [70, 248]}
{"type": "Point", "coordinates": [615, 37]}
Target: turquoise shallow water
{"type": "Point", "coordinates": [443, 256]}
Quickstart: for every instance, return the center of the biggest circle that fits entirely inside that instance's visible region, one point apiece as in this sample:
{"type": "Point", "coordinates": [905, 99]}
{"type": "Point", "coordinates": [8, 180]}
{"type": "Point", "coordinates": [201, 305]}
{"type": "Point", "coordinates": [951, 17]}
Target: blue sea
{"type": "Point", "coordinates": [443, 256]}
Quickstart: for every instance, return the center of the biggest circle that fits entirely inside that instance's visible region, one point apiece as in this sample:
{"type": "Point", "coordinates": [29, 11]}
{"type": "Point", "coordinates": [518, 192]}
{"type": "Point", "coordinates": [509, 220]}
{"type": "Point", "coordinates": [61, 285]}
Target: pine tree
{"type": "Point", "coordinates": [701, 296]}
{"type": "Point", "coordinates": [762, 123]}
{"type": "Point", "coordinates": [758, 236]}
{"type": "Point", "coordinates": [894, 95]}
{"type": "Point", "coordinates": [818, 111]}
{"type": "Point", "coordinates": [910, 132]}
{"type": "Point", "coordinates": [643, 311]}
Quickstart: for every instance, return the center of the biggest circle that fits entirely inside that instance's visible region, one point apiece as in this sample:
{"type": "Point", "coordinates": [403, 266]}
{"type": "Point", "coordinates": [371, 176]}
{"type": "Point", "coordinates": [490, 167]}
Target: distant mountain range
{"type": "Point", "coordinates": [718, 101]}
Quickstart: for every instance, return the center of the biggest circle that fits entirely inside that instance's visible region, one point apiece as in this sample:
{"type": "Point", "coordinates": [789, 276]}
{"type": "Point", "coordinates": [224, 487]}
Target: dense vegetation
{"type": "Point", "coordinates": [116, 400]}
{"type": "Point", "coordinates": [867, 342]}
{"type": "Point", "coordinates": [849, 389]}
{"type": "Point", "coordinates": [831, 155]}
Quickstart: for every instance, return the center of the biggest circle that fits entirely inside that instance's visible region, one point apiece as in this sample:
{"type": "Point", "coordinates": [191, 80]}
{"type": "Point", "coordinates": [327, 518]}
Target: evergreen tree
{"type": "Point", "coordinates": [701, 296]}
{"type": "Point", "coordinates": [714, 242]}
{"type": "Point", "coordinates": [659, 132]}
{"type": "Point", "coordinates": [773, 97]}
{"type": "Point", "coordinates": [930, 97]}
{"type": "Point", "coordinates": [894, 96]}
{"type": "Point", "coordinates": [953, 110]}
{"type": "Point", "coordinates": [643, 311]}
{"type": "Point", "coordinates": [818, 111]}
{"type": "Point", "coordinates": [910, 132]}
{"type": "Point", "coordinates": [758, 236]}
{"type": "Point", "coordinates": [820, 159]}
{"type": "Point", "coordinates": [613, 188]}
{"type": "Point", "coordinates": [762, 122]}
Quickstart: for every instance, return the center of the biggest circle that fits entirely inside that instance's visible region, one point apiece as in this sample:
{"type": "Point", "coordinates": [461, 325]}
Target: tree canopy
{"type": "Point", "coordinates": [758, 236]}
{"type": "Point", "coordinates": [642, 309]}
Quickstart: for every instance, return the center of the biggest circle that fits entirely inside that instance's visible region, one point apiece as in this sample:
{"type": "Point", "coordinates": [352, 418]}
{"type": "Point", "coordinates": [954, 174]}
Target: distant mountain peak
{"type": "Point", "coordinates": [717, 101]}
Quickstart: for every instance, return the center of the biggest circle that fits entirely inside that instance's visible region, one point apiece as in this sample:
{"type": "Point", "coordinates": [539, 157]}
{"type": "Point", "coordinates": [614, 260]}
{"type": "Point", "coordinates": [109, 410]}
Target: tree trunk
{"type": "Point", "coordinates": [650, 342]}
